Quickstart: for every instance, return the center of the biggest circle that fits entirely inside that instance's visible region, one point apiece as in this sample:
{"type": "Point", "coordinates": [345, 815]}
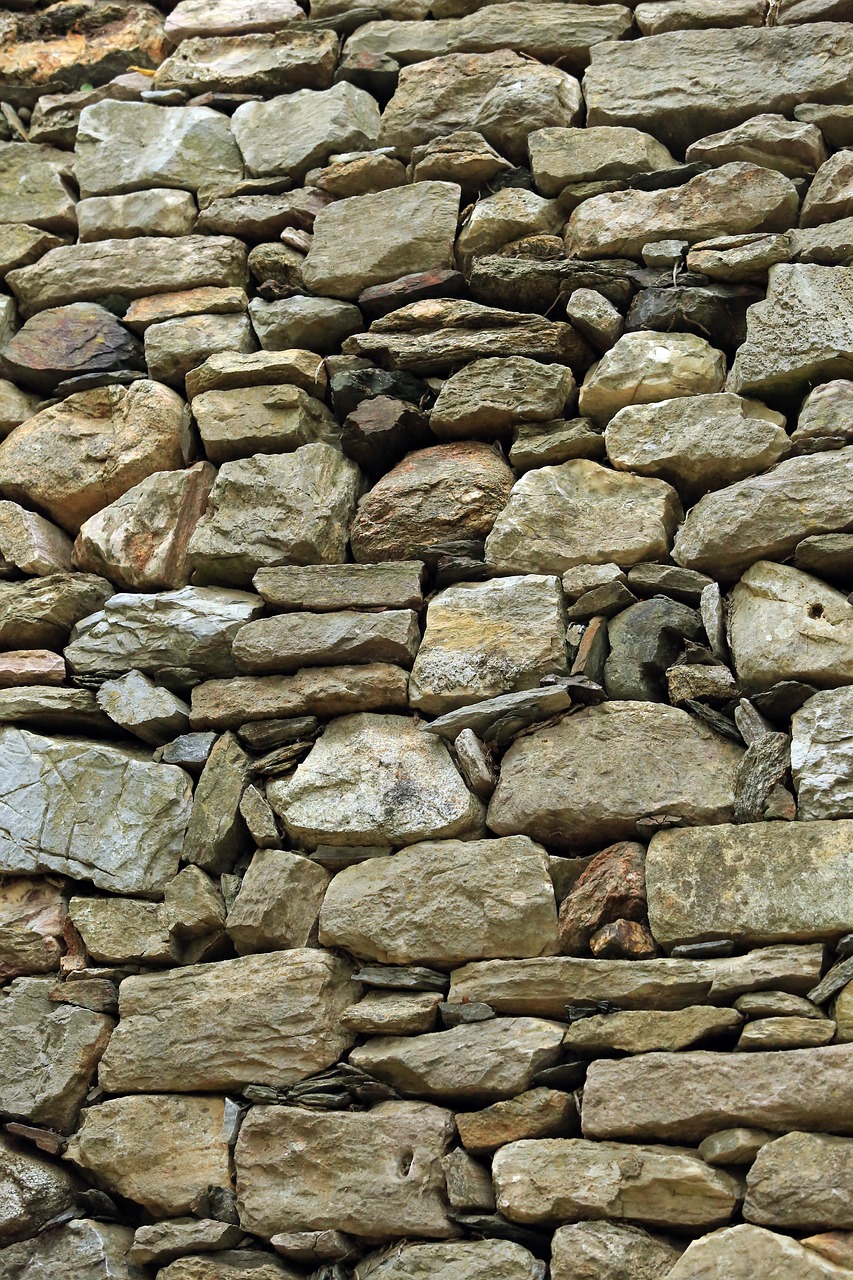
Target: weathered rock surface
{"type": "Point", "coordinates": [561, 158]}
{"type": "Point", "coordinates": [644, 367]}
{"type": "Point", "coordinates": [291, 134]}
{"type": "Point", "coordinates": [789, 146]}
{"type": "Point", "coordinates": [574, 1178]}
{"type": "Point", "coordinates": [325, 691]}
{"type": "Point", "coordinates": [267, 1019]}
{"type": "Point", "coordinates": [278, 903]}
{"type": "Point", "coordinates": [488, 397]}
{"type": "Point", "coordinates": [160, 1151]}
{"type": "Point", "coordinates": [801, 1182]}
{"type": "Point", "coordinates": [32, 1192]}
{"type": "Point", "coordinates": [735, 1253]}
{"type": "Point", "coordinates": [130, 842]}
{"type": "Point", "coordinates": [118, 930]}
{"type": "Point", "coordinates": [65, 342]}
{"type": "Point", "coordinates": [616, 764]}
{"type": "Point", "coordinates": [83, 1247]}
{"type": "Point", "coordinates": [237, 424]}
{"type": "Point", "coordinates": [822, 755]}
{"type": "Point", "coordinates": [608, 1251]}
{"type": "Point", "coordinates": [473, 1259]}
{"type": "Point", "coordinates": [326, 588]}
{"type": "Point", "coordinates": [686, 1097]}
{"type": "Point", "coordinates": [497, 895]}
{"type": "Point", "coordinates": [295, 640]}
{"type": "Point", "coordinates": [42, 611]}
{"type": "Point", "coordinates": [258, 62]}
{"type": "Point", "coordinates": [295, 1171]}
{"type": "Point", "coordinates": [637, 1031]}
{"type": "Point", "coordinates": [375, 778]}
{"type": "Point", "coordinates": [32, 918]}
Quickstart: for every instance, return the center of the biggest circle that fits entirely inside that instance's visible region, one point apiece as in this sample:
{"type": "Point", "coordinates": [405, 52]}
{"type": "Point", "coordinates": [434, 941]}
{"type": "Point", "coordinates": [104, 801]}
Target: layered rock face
{"type": "Point", "coordinates": [426, 640]}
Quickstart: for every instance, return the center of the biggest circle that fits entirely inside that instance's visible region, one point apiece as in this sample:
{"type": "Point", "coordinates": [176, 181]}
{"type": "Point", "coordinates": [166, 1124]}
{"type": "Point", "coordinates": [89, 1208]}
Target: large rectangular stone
{"type": "Point", "coordinates": [684, 1097]}
{"type": "Point", "coordinates": [323, 588]}
{"type": "Point", "coordinates": [757, 883]}
{"type": "Point", "coordinates": [315, 691]}
{"type": "Point", "coordinates": [543, 987]}
{"type": "Point", "coordinates": [265, 1019]}
{"type": "Point", "coordinates": [684, 85]}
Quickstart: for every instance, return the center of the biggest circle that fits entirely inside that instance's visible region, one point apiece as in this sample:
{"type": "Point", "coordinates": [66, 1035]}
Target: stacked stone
{"type": "Point", "coordinates": [426, 656]}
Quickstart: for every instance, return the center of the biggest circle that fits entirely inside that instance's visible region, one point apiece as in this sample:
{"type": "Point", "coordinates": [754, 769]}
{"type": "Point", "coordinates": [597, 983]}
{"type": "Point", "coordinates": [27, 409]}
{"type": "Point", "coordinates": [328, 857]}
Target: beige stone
{"type": "Point", "coordinates": [645, 367]}
{"type": "Point", "coordinates": [119, 930]}
{"type": "Point", "coordinates": [536, 1113]}
{"type": "Point", "coordinates": [32, 918]}
{"type": "Point", "coordinates": [225, 371]}
{"type": "Point", "coordinates": [785, 1033]}
{"type": "Point", "coordinates": [497, 900]}
{"type": "Point", "coordinates": [288, 642]}
{"type": "Point", "coordinates": [487, 397]}
{"type": "Point", "coordinates": [567, 157]}
{"type": "Point", "coordinates": [32, 1192]}
{"type": "Point", "coordinates": [734, 1146]}
{"type": "Point", "coordinates": [160, 1151]}
{"type": "Point", "coordinates": [159, 212]}
{"type": "Point", "coordinates": [507, 215]}
{"type": "Point", "coordinates": [641, 1031]}
{"type": "Point", "coordinates": [238, 423]}
{"type": "Point", "coordinates": [278, 902]}
{"type": "Point", "coordinates": [318, 691]}
{"type": "Point", "coordinates": [610, 1251]}
{"type": "Point", "coordinates": [174, 347]}
{"type": "Point", "coordinates": [258, 62]}
{"type": "Point", "coordinates": [31, 543]}
{"type": "Point", "coordinates": [789, 146]}
{"type": "Point", "coordinates": [267, 1019]}
{"type": "Point", "coordinates": [293, 133]}
{"type": "Point", "coordinates": [325, 588]}
{"type": "Point", "coordinates": [392, 1013]}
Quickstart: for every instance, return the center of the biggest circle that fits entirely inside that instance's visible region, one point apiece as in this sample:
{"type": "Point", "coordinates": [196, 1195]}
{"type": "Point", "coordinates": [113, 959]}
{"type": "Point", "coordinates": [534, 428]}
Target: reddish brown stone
{"type": "Point", "coordinates": [64, 342]}
{"type": "Point", "coordinates": [613, 887]}
{"type": "Point", "coordinates": [30, 666]}
{"type": "Point", "coordinates": [379, 299]}
{"type": "Point", "coordinates": [623, 940]}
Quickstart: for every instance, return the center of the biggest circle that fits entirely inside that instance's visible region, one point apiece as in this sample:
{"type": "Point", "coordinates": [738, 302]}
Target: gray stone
{"type": "Point", "coordinates": [675, 15]}
{"type": "Point", "coordinates": [21, 245]}
{"type": "Point", "coordinates": [645, 639]}
{"type": "Point", "coordinates": [822, 755]}
{"type": "Point", "coordinates": [191, 18]}
{"type": "Point", "coordinates": [266, 1019]}
{"type": "Point", "coordinates": [136, 704]}
{"type": "Point", "coordinates": [325, 588]}
{"type": "Point", "coordinates": [566, 157]}
{"type": "Point", "coordinates": [497, 901]}
{"type": "Point", "coordinates": [830, 195]}
{"type": "Point", "coordinates": [596, 318]}
{"type": "Point", "coordinates": [488, 397]}
{"type": "Point", "coordinates": [734, 1146]}
{"type": "Point", "coordinates": [174, 347]}
{"type": "Point", "coordinates": [550, 443]}
{"type": "Point", "coordinates": [254, 63]}
{"type": "Point", "coordinates": [501, 95]}
{"type": "Point", "coordinates": [375, 1174]}
{"type": "Point", "coordinates": [40, 612]}
{"type": "Point", "coordinates": [121, 930]}
{"type": "Point", "coordinates": [132, 146]}
{"type": "Point", "coordinates": [510, 214]}
{"type": "Point", "coordinates": [129, 842]}
{"type": "Point", "coordinates": [50, 1053]}
{"type": "Point", "coordinates": [791, 147]}
{"type": "Point", "coordinates": [158, 212]}
{"type": "Point", "coordinates": [226, 371]}
{"type": "Point", "coordinates": [786, 625]}
{"type": "Point", "coordinates": [610, 1250]}
{"type": "Point", "coordinates": [276, 419]}
{"type": "Point", "coordinates": [486, 639]}
{"type": "Point", "coordinates": [550, 1180]}
{"type": "Point", "coordinates": [735, 1253]}
{"type": "Point", "coordinates": [216, 835]}
{"type": "Point", "coordinates": [388, 234]}
{"type": "Point", "coordinates": [801, 1182]}
{"type": "Point", "coordinates": [291, 641]}
{"type": "Point", "coordinates": [375, 778]}
{"type": "Point", "coordinates": [757, 883]}
{"type": "Point", "coordinates": [35, 187]}
{"type": "Point", "coordinates": [499, 719]}
{"type": "Point", "coordinates": [824, 419]}
{"type": "Point", "coordinates": [84, 1248]}
{"type": "Point", "coordinates": [764, 517]}
{"type": "Point", "coordinates": [52, 710]}
{"type": "Point", "coordinates": [559, 517]}
{"type": "Point", "coordinates": [275, 509]}
{"type": "Point", "coordinates": [697, 443]}
{"type": "Point", "coordinates": [315, 691]}
{"type": "Point", "coordinates": [320, 324]}
{"type": "Point", "coordinates": [727, 201]}
{"type": "Point", "coordinates": [686, 1097]}
{"type": "Point", "coordinates": [644, 367]}
{"type": "Point", "coordinates": [162, 1242]}
{"type": "Point", "coordinates": [172, 636]}
{"type": "Point", "coordinates": [479, 1062]}
{"type": "Point", "coordinates": [278, 903]}
{"type": "Point", "coordinates": [471, 1259]}
{"type": "Point", "coordinates": [137, 268]}
{"type": "Point", "coordinates": [642, 83]}
{"type": "Point", "coordinates": [734, 259]}
{"type": "Point", "coordinates": [32, 1192]}
{"type": "Point", "coordinates": [589, 779]}
{"type": "Point", "coordinates": [292, 134]}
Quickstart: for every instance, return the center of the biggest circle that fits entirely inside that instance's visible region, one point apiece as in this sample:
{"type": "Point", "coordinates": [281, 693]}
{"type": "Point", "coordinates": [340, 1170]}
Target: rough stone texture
{"type": "Point", "coordinates": [278, 903]}
{"type": "Point", "coordinates": [159, 1151]}
{"type": "Point", "coordinates": [294, 640]}
{"type": "Point", "coordinates": [554, 1179]}
{"type": "Point", "coordinates": [42, 611]}
{"type": "Point", "coordinates": [734, 1254]}
{"type": "Point", "coordinates": [497, 895]}
{"type": "Point", "coordinates": [292, 134]}
{"type": "Point", "coordinates": [262, 62]}
{"type": "Point", "coordinates": [613, 765]}
{"type": "Point", "coordinates": [32, 918]}
{"type": "Point", "coordinates": [85, 1248]}
{"type": "Point", "coordinates": [78, 456]}
{"type": "Point", "coordinates": [459, 1260]}
{"type": "Point", "coordinates": [375, 778]}
{"type": "Point", "coordinates": [130, 842]}
{"type": "Point", "coordinates": [236, 424]}
{"type": "Point", "coordinates": [565, 157]}
{"type": "Point", "coordinates": [488, 397]}
{"type": "Point", "coordinates": [644, 367]}
{"type": "Point", "coordinates": [267, 1019]}
{"type": "Point", "coordinates": [65, 342]}
{"type": "Point", "coordinates": [789, 146]}
{"type": "Point", "coordinates": [326, 691]}
{"type": "Point", "coordinates": [801, 1182]}
{"type": "Point", "coordinates": [821, 755]}
{"type": "Point", "coordinates": [295, 1171]}
{"type": "Point", "coordinates": [636, 1031]}
{"type": "Point", "coordinates": [687, 1097]}
{"type": "Point", "coordinates": [609, 1251]}
{"type": "Point", "coordinates": [32, 1191]}
{"type": "Point", "coordinates": [559, 517]}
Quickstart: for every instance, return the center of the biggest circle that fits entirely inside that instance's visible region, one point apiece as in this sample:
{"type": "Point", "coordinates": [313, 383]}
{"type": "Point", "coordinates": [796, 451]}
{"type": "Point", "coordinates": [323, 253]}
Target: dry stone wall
{"type": "Point", "coordinates": [426, 656]}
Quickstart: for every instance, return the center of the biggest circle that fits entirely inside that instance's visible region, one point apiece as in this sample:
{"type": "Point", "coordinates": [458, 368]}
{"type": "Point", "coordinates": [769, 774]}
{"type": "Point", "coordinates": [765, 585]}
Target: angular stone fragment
{"type": "Point", "coordinates": [642, 82]}
{"type": "Point", "coordinates": [231, 1264]}
{"type": "Point", "coordinates": [536, 1113]}
{"type": "Point", "coordinates": [224, 372]}
{"type": "Point", "coordinates": [278, 903]}
{"type": "Point", "coordinates": [21, 245]}
{"type": "Point", "coordinates": [15, 406]}
{"type": "Point", "coordinates": [801, 1182]}
{"type": "Point", "coordinates": [161, 1242]}
{"type": "Point", "coordinates": [133, 701]}
{"type": "Point", "coordinates": [685, 1097]}
{"type": "Point", "coordinates": [35, 187]}
{"type": "Point", "coordinates": [291, 134]}
{"type": "Point", "coordinates": [488, 397]}
{"type": "Point", "coordinates": [645, 640]}
{"type": "Point", "coordinates": [173, 636]}
{"type": "Point", "coordinates": [739, 258]}
{"type": "Point", "coordinates": [375, 778]}
{"type": "Point", "coordinates": [75, 457]}
{"type": "Point", "coordinates": [544, 987]}
{"type": "Point", "coordinates": [636, 1031]}
{"type": "Point", "coordinates": [119, 930]}
{"type": "Point", "coordinates": [388, 234]}
{"type": "Point", "coordinates": [160, 1151]}
{"type": "Point", "coordinates": [42, 611]}
{"type": "Point", "coordinates": [267, 1019]}
{"type": "Point", "coordinates": [786, 625]}
{"type": "Point", "coordinates": [757, 883]}
{"type": "Point", "coordinates": [566, 157]}
{"type": "Point", "coordinates": [147, 265]}
{"type": "Point", "coordinates": [65, 342]}
{"type": "Point", "coordinates": [789, 146]}
{"type": "Point", "coordinates": [764, 517]}
{"type": "Point", "coordinates": [175, 347]}
{"type": "Point", "coordinates": [207, 299]}
{"type": "Point", "coordinates": [479, 1062]}
{"type": "Point", "coordinates": [727, 201]}
{"type": "Point", "coordinates": [324, 691]}
{"type": "Point", "coordinates": [158, 212]}
{"type": "Point", "coordinates": [644, 367]}
{"type": "Point", "coordinates": [830, 195]}
{"type": "Point", "coordinates": [785, 1033]}
{"type": "Point", "coordinates": [735, 1254]}
{"type": "Point", "coordinates": [554, 1179]}
{"type": "Point", "coordinates": [324, 588]}
{"type": "Point", "coordinates": [130, 842]}
{"type": "Point", "coordinates": [801, 334]}
{"type": "Point", "coordinates": [295, 1171]}
{"type": "Point", "coordinates": [31, 667]}
{"type": "Point", "coordinates": [32, 1192]}
{"type": "Point", "coordinates": [275, 509]}
{"type": "Point", "coordinates": [497, 895]}
{"type": "Point", "coordinates": [191, 18]}
{"type": "Point", "coordinates": [734, 1146]}
{"type": "Point", "coordinates": [610, 1250]}
{"type": "Point", "coordinates": [49, 1054]}
{"type": "Point", "coordinates": [32, 919]}
{"type": "Point", "coordinates": [824, 419]}
{"type": "Point", "coordinates": [320, 324]}
{"type": "Point", "coordinates": [486, 639]}
{"type": "Point", "coordinates": [443, 494]}
{"type": "Point", "coordinates": [557, 516]}
{"type": "Point", "coordinates": [83, 1248]}
{"type": "Point", "coordinates": [822, 755]}
{"type": "Point", "coordinates": [612, 886]}
{"type": "Point", "coordinates": [509, 215]}
{"type": "Point", "coordinates": [254, 63]}
{"type": "Point", "coordinates": [591, 778]}
{"type": "Point", "coordinates": [277, 419]}
{"type": "Point", "coordinates": [294, 640]}
{"type": "Point", "coordinates": [393, 1014]}
{"type": "Point", "coordinates": [130, 146]}
{"type": "Point", "coordinates": [140, 540]}
{"type": "Point", "coordinates": [697, 443]}
{"type": "Point", "coordinates": [216, 834]}
{"type": "Point", "coordinates": [501, 95]}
